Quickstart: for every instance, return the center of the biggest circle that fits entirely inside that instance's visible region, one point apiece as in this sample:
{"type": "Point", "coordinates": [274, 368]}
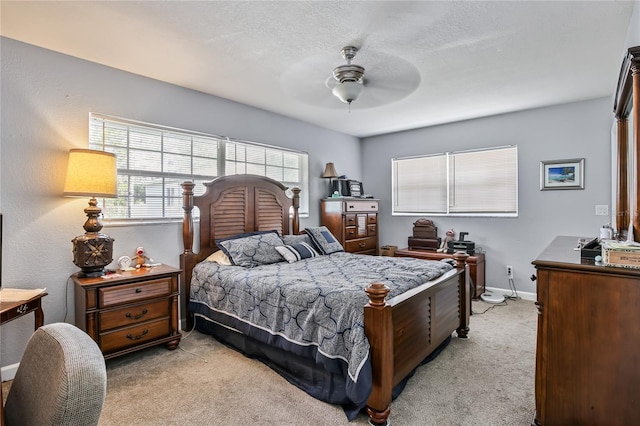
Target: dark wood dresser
{"type": "Point", "coordinates": [130, 310]}
{"type": "Point", "coordinates": [354, 222]}
{"type": "Point", "coordinates": [588, 344]}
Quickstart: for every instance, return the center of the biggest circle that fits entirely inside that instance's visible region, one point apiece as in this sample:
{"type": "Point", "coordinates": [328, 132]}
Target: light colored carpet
{"type": "Point", "coordinates": [487, 379]}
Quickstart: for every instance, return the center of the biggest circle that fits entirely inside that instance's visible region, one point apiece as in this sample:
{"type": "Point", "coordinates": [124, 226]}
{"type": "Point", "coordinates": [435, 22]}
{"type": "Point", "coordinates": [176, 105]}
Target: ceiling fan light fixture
{"type": "Point", "coordinates": [349, 77]}
{"type": "Point", "coordinates": [348, 91]}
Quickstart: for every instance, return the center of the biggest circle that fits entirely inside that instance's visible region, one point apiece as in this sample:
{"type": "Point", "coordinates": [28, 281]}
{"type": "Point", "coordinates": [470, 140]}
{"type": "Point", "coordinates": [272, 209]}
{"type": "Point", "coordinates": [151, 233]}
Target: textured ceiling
{"type": "Point", "coordinates": [426, 62]}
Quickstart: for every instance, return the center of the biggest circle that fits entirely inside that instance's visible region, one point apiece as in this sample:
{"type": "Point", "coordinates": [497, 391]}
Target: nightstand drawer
{"type": "Point", "coordinates": [133, 315]}
{"type": "Point", "coordinates": [361, 244]}
{"type": "Point", "coordinates": [361, 206]}
{"type": "Point", "coordinates": [117, 295]}
{"type": "Point", "coordinates": [132, 336]}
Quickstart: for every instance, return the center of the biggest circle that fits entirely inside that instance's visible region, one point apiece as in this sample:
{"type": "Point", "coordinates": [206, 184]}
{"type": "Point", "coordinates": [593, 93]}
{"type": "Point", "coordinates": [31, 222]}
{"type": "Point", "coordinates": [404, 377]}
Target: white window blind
{"type": "Point", "coordinates": [154, 160]}
{"type": "Point", "coordinates": [482, 182]}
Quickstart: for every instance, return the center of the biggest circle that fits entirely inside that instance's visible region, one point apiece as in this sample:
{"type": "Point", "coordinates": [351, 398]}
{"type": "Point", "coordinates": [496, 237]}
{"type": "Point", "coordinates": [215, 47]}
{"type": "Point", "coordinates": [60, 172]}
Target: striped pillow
{"type": "Point", "coordinates": [294, 252]}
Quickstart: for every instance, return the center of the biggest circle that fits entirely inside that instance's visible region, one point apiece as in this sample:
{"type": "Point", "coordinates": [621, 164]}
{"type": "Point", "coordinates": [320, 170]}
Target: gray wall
{"type": "Point", "coordinates": [579, 130]}
{"type": "Point", "coordinates": [46, 100]}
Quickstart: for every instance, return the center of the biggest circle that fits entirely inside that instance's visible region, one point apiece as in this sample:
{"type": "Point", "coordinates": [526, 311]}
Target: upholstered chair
{"type": "Point", "coordinates": [61, 380]}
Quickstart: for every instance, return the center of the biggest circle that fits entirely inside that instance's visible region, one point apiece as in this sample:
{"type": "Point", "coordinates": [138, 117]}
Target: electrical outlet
{"type": "Point", "coordinates": [509, 271]}
{"type": "Point", "coordinates": [602, 210]}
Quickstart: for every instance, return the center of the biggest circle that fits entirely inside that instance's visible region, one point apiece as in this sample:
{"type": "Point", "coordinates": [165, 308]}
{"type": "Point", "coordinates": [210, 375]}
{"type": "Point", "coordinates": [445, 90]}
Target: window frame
{"type": "Point", "coordinates": [448, 188]}
{"type": "Point", "coordinates": [167, 196]}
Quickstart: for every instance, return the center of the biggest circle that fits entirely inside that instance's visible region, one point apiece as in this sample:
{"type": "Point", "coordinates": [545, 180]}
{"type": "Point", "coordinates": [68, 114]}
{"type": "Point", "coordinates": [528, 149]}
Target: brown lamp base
{"type": "Point", "coordinates": [92, 252]}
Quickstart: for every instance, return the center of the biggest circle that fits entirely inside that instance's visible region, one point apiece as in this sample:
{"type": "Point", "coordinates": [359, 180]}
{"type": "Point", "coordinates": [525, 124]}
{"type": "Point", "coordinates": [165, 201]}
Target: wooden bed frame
{"type": "Point", "coordinates": [429, 313]}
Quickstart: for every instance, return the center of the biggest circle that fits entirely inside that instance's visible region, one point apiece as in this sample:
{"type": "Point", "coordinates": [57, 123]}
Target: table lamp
{"type": "Point", "coordinates": [330, 173]}
{"type": "Point", "coordinates": [92, 174]}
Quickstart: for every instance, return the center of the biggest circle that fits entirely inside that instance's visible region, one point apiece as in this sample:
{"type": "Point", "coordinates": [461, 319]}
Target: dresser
{"type": "Point", "coordinates": [588, 342]}
{"type": "Point", "coordinates": [475, 262]}
{"type": "Point", "coordinates": [129, 310]}
{"type": "Point", "coordinates": [354, 222]}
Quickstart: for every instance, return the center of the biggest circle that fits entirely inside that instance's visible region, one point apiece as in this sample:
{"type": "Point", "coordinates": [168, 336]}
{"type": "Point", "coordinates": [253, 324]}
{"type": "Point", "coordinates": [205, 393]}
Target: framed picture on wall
{"type": "Point", "coordinates": [562, 174]}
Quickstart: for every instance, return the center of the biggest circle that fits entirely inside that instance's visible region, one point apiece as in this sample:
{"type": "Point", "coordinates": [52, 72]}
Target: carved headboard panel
{"type": "Point", "coordinates": [233, 205]}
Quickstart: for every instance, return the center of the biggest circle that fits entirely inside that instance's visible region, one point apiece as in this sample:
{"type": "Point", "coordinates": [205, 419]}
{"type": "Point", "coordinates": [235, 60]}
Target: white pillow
{"type": "Point", "coordinates": [220, 258]}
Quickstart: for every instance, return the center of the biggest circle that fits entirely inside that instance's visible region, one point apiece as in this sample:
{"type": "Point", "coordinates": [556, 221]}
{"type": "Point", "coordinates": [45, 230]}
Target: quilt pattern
{"type": "Point", "coordinates": [317, 301]}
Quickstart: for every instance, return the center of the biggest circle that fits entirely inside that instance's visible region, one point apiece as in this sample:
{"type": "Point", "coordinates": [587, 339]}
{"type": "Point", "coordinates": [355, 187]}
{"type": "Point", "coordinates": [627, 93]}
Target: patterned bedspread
{"type": "Point", "coordinates": [313, 302]}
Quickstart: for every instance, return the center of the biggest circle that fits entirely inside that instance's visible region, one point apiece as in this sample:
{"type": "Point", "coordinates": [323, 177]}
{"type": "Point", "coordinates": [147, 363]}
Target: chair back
{"type": "Point", "coordinates": [61, 380]}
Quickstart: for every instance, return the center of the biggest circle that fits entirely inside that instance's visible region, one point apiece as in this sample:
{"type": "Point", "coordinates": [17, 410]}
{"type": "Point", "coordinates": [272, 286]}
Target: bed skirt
{"type": "Point", "coordinates": [302, 369]}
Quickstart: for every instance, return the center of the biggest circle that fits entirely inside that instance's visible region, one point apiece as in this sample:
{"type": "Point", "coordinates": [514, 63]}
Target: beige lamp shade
{"type": "Point", "coordinates": [91, 173]}
{"type": "Point", "coordinates": [330, 171]}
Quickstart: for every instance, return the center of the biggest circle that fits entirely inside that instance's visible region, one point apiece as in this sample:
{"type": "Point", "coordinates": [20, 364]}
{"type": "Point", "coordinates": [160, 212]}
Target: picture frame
{"type": "Point", "coordinates": [562, 174]}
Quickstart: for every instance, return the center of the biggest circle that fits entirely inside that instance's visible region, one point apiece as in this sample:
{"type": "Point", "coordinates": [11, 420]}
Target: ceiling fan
{"type": "Point", "coordinates": [388, 79]}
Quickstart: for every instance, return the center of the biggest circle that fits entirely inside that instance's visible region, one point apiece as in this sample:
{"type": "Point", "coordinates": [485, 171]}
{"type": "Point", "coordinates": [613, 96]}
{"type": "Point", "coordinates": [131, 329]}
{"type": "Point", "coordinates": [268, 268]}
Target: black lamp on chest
{"type": "Point", "coordinates": [92, 174]}
{"type": "Point", "coordinates": [330, 173]}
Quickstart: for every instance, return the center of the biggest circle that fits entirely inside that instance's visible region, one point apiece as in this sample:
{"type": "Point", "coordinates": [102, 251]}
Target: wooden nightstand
{"type": "Point", "coordinates": [129, 310]}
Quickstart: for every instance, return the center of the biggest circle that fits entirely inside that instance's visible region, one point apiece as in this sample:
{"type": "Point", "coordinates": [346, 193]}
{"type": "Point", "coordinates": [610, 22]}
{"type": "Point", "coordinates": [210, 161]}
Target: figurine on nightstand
{"type": "Point", "coordinates": [140, 259]}
{"type": "Point", "coordinates": [450, 235]}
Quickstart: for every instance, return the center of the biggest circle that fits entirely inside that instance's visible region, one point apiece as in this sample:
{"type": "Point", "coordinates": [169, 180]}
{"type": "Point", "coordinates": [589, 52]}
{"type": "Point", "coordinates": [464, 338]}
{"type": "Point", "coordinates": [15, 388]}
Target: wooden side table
{"type": "Point", "coordinates": [129, 310]}
{"type": "Point", "coordinates": [475, 262]}
{"type": "Point", "coordinates": [12, 310]}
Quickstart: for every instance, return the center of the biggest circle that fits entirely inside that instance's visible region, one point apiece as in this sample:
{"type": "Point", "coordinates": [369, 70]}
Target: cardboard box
{"type": "Point", "coordinates": [388, 250]}
{"type": "Point", "coordinates": [620, 255]}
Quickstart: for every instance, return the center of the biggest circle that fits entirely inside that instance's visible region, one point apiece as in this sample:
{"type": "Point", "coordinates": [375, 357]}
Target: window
{"type": "Point", "coordinates": [154, 160]}
{"type": "Point", "coordinates": [470, 183]}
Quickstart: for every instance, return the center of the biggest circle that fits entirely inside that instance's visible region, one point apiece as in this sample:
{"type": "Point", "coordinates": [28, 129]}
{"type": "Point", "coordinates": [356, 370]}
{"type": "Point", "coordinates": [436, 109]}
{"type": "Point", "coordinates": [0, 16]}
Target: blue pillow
{"type": "Point", "coordinates": [294, 252]}
{"type": "Point", "coordinates": [301, 238]}
{"type": "Point", "coordinates": [251, 250]}
{"type": "Point", "coordinates": [296, 239]}
{"type": "Point", "coordinates": [324, 240]}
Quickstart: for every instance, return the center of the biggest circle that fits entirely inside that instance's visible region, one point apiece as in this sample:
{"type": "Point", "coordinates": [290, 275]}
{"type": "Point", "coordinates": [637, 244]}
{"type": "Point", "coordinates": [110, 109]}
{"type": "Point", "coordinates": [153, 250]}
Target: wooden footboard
{"type": "Point", "coordinates": [428, 314]}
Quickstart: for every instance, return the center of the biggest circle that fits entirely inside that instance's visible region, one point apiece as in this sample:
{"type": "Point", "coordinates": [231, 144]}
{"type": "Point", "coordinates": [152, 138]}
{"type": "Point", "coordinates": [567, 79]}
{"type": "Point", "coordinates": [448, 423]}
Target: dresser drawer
{"type": "Point", "coordinates": [361, 244]}
{"type": "Point", "coordinates": [361, 206]}
{"type": "Point", "coordinates": [350, 233]}
{"type": "Point", "coordinates": [350, 219]}
{"type": "Point", "coordinates": [127, 293]}
{"type": "Point", "coordinates": [132, 336]}
{"type": "Point", "coordinates": [372, 230]}
{"type": "Point", "coordinates": [372, 218]}
{"type": "Point", "coordinates": [133, 315]}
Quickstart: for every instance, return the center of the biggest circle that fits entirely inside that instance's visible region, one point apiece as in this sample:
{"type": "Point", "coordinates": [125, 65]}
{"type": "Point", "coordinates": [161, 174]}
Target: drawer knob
{"type": "Point", "coordinates": [132, 337]}
{"type": "Point", "coordinates": [138, 290]}
{"type": "Point", "coordinates": [362, 245]}
{"type": "Point", "coordinates": [135, 317]}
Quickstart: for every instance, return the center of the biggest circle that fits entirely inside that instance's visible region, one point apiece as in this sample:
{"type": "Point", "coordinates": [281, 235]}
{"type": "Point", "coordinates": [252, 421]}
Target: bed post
{"type": "Point", "coordinates": [465, 294]}
{"type": "Point", "coordinates": [187, 256]}
{"type": "Point", "coordinates": [379, 331]}
{"type": "Point", "coordinates": [295, 222]}
{"type": "Point", "coordinates": [187, 223]}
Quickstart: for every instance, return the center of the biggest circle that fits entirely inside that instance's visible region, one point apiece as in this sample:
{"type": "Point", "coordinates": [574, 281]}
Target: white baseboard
{"type": "Point", "coordinates": [507, 292]}
{"type": "Point", "coordinates": [9, 372]}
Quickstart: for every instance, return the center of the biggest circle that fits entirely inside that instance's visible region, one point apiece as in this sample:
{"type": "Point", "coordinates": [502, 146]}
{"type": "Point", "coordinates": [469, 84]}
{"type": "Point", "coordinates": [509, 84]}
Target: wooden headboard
{"type": "Point", "coordinates": [233, 205]}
